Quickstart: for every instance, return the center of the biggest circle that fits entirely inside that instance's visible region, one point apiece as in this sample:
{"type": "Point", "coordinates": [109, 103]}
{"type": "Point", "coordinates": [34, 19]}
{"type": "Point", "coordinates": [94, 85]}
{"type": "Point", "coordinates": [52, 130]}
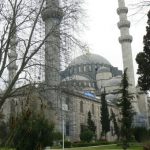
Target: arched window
{"type": "Point", "coordinates": [67, 129]}
{"type": "Point", "coordinates": [90, 68]}
{"type": "Point", "coordinates": [93, 84]}
{"type": "Point", "coordinates": [81, 106]}
{"type": "Point", "coordinates": [79, 83]}
{"type": "Point", "coordinates": [89, 84]}
{"type": "Point", "coordinates": [112, 130]}
{"type": "Point", "coordinates": [87, 67]}
{"type": "Point", "coordinates": [84, 68]}
{"type": "Point", "coordinates": [67, 102]}
{"type": "Point", "coordinates": [71, 70]}
{"type": "Point", "coordinates": [93, 109]}
{"type": "Point", "coordinates": [75, 69]}
{"type": "Point", "coordinates": [79, 68]}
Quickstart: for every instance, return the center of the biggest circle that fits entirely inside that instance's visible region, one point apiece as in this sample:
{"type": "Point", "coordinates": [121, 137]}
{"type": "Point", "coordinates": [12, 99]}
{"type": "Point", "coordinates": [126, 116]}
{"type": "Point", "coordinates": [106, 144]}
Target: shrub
{"type": "Point", "coordinates": [67, 144]}
{"type": "Point", "coordinates": [140, 134]}
{"type": "Point", "coordinates": [32, 133]}
{"type": "Point", "coordinates": [81, 144]}
{"type": "Point", "coordinates": [3, 132]}
{"type": "Point", "coordinates": [57, 136]}
{"type": "Point", "coordinates": [86, 136]}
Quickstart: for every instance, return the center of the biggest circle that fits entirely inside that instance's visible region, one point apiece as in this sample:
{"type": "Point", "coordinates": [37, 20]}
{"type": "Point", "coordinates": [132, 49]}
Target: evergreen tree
{"type": "Point", "coordinates": [88, 131]}
{"type": "Point", "coordinates": [32, 133]}
{"type": "Point", "coordinates": [90, 122]}
{"type": "Point", "coordinates": [116, 127]}
{"type": "Point", "coordinates": [126, 110]}
{"type": "Point", "coordinates": [143, 60]}
{"type": "Point", "coordinates": [86, 135]}
{"type": "Point", "coordinates": [105, 121]}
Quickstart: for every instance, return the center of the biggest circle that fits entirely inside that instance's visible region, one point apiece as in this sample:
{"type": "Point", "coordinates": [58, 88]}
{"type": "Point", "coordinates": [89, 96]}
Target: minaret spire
{"type": "Point", "coordinates": [125, 40]}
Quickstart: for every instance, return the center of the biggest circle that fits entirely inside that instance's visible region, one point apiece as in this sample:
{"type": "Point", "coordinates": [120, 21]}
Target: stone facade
{"type": "Point", "coordinates": [77, 115]}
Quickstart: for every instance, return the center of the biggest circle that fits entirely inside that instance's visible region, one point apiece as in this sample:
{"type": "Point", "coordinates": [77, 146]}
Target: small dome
{"type": "Point", "coordinates": [112, 98]}
{"type": "Point", "coordinates": [103, 69]}
{"type": "Point", "coordinates": [89, 59]}
{"type": "Point", "coordinates": [115, 81]}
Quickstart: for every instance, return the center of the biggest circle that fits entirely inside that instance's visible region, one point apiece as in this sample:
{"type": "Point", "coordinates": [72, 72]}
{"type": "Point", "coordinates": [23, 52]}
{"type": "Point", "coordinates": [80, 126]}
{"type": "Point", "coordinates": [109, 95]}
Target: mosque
{"type": "Point", "coordinates": [88, 75]}
{"type": "Point", "coordinates": [77, 90]}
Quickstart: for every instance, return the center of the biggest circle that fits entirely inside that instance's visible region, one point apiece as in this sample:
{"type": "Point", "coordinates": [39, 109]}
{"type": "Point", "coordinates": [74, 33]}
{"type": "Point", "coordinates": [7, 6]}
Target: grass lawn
{"type": "Point", "coordinates": [7, 149]}
{"type": "Point", "coordinates": [106, 147]}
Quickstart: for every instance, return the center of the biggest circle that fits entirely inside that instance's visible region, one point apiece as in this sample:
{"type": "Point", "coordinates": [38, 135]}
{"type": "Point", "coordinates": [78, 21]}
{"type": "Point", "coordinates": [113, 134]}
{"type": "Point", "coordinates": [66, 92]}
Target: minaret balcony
{"type": "Point", "coordinates": [122, 10]}
{"type": "Point", "coordinates": [49, 12]}
{"type": "Point", "coordinates": [124, 23]}
{"type": "Point", "coordinates": [125, 38]}
{"type": "Point", "coordinates": [12, 67]}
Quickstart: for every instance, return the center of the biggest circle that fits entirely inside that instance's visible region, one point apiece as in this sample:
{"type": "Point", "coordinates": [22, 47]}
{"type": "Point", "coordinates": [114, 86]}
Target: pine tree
{"type": "Point", "coordinates": [143, 60]}
{"type": "Point", "coordinates": [88, 132]}
{"type": "Point", "coordinates": [126, 110]}
{"type": "Point", "coordinates": [91, 124]}
{"type": "Point", "coordinates": [105, 120]}
{"type": "Point", "coordinates": [116, 127]}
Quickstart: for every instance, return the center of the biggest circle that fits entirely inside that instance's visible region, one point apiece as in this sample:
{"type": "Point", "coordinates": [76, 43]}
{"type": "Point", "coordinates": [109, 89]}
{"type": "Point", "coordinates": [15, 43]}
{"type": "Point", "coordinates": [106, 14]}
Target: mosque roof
{"type": "Point", "coordinates": [89, 59]}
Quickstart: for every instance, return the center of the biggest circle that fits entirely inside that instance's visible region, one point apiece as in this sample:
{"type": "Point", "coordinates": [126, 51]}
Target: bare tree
{"type": "Point", "coordinates": [22, 40]}
{"type": "Point", "coordinates": [144, 3]}
{"type": "Point", "coordinates": [140, 7]}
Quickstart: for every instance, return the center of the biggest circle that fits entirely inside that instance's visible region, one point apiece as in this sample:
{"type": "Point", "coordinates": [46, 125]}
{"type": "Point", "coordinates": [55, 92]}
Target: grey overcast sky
{"type": "Point", "coordinates": [102, 32]}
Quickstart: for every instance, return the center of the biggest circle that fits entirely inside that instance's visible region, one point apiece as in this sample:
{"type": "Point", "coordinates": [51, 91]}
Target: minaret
{"type": "Point", "coordinates": [12, 55]}
{"type": "Point", "coordinates": [125, 40]}
{"type": "Point", "coordinates": [12, 68]}
{"type": "Point", "coordinates": [52, 16]}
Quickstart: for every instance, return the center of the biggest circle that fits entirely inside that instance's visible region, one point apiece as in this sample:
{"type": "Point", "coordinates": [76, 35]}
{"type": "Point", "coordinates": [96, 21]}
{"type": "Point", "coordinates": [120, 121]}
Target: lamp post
{"type": "Point", "coordinates": [64, 108]}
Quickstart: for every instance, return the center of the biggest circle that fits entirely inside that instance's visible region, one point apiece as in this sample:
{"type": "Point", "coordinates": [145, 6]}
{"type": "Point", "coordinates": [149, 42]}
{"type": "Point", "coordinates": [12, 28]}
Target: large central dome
{"type": "Point", "coordinates": [89, 59]}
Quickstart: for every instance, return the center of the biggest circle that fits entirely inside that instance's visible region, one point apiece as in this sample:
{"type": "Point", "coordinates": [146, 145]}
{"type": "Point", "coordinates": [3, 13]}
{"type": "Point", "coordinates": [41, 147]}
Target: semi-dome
{"type": "Point", "coordinates": [89, 59]}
